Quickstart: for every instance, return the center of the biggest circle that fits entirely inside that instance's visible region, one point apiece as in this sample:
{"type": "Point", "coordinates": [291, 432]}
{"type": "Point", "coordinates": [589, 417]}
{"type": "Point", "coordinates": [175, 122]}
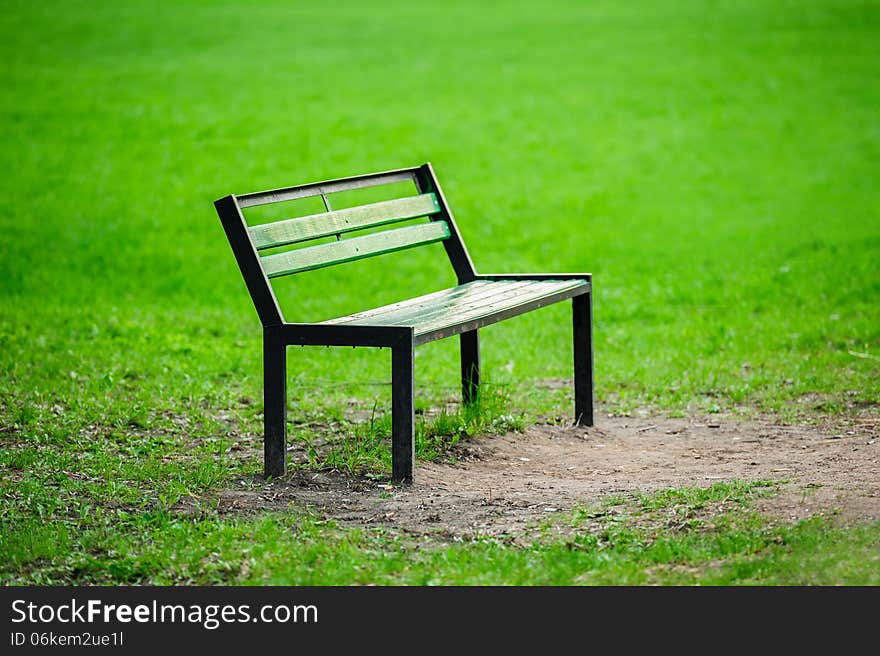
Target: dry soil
{"type": "Point", "coordinates": [508, 485]}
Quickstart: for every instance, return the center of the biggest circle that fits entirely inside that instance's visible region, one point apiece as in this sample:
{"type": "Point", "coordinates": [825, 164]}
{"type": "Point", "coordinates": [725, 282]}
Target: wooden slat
{"type": "Point", "coordinates": [507, 294]}
{"type": "Point", "coordinates": [457, 325]}
{"type": "Point", "coordinates": [437, 296]}
{"type": "Point", "coordinates": [356, 248]}
{"type": "Point", "coordinates": [461, 304]}
{"type": "Point", "coordinates": [419, 305]}
{"type": "Point", "coordinates": [303, 228]}
{"type": "Point", "coordinates": [527, 298]}
{"type": "Point", "coordinates": [421, 312]}
{"type": "Point", "coordinates": [326, 187]}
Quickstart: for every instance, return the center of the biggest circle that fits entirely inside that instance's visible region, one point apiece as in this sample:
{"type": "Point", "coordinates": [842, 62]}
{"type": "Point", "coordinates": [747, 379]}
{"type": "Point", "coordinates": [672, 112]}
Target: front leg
{"type": "Point", "coordinates": [402, 412]}
{"type": "Point", "coordinates": [274, 404]}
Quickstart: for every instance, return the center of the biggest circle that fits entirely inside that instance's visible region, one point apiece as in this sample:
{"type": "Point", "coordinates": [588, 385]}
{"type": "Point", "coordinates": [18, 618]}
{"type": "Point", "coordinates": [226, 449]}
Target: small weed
{"type": "Point", "coordinates": [697, 497]}
{"type": "Point", "coordinates": [359, 447]}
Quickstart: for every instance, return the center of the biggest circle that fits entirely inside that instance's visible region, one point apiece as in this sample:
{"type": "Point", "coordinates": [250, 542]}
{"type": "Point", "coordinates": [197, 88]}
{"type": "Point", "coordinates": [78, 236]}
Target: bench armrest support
{"type": "Point", "coordinates": [535, 276]}
{"type": "Point", "coordinates": [312, 334]}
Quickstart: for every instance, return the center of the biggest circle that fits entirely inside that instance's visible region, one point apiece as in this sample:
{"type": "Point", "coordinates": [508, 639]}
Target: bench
{"type": "Point", "coordinates": [477, 300]}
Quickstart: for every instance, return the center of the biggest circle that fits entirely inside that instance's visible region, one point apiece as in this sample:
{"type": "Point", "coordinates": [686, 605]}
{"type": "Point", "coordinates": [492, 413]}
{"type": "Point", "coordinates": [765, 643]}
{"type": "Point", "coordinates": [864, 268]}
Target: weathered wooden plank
{"type": "Point", "coordinates": [458, 303]}
{"type": "Point", "coordinates": [458, 325]}
{"type": "Point", "coordinates": [368, 315]}
{"type": "Point", "coordinates": [326, 187]}
{"type": "Point", "coordinates": [291, 231]}
{"type": "Point", "coordinates": [490, 306]}
{"type": "Point", "coordinates": [486, 297]}
{"type": "Point", "coordinates": [356, 248]}
{"type": "Point", "coordinates": [421, 305]}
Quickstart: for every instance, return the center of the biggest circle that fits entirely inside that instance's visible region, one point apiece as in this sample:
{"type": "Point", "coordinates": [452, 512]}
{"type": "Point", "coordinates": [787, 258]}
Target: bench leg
{"type": "Point", "coordinates": [470, 366]}
{"type": "Point", "coordinates": [582, 314]}
{"type": "Point", "coordinates": [402, 414]}
{"type": "Point", "coordinates": [274, 405]}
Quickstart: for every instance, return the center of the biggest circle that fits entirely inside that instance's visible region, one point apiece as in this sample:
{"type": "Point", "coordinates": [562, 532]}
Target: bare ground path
{"type": "Point", "coordinates": [509, 484]}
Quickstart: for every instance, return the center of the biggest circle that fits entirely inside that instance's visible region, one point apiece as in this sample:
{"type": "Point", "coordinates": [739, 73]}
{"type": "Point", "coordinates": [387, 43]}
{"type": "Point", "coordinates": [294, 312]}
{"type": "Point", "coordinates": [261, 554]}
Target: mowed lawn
{"type": "Point", "coordinates": [714, 167]}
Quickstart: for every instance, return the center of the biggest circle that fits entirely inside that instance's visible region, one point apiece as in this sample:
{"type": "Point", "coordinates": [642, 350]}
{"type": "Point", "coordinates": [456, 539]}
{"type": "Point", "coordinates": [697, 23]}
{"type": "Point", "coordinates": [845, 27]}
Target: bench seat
{"type": "Point", "coordinates": [467, 307]}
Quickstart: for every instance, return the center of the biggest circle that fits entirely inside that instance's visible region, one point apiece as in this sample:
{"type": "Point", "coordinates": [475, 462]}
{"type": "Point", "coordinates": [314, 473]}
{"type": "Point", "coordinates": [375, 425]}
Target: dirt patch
{"type": "Point", "coordinates": [508, 485]}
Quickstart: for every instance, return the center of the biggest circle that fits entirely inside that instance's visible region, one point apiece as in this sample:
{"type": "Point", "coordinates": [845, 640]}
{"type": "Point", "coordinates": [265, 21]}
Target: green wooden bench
{"type": "Point", "coordinates": [478, 300]}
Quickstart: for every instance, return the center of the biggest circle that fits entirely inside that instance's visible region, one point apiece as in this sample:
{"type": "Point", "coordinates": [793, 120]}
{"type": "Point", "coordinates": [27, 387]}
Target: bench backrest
{"type": "Point", "coordinates": [249, 243]}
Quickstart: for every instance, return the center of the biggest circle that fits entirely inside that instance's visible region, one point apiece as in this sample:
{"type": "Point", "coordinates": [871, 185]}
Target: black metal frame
{"type": "Point", "coordinates": [279, 334]}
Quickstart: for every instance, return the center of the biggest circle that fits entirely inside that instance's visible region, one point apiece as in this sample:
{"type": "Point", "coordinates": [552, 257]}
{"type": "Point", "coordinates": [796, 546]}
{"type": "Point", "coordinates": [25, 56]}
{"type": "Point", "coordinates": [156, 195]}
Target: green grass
{"type": "Point", "coordinates": [635, 546]}
{"type": "Point", "coordinates": [715, 168]}
{"type": "Point", "coordinates": [357, 445]}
